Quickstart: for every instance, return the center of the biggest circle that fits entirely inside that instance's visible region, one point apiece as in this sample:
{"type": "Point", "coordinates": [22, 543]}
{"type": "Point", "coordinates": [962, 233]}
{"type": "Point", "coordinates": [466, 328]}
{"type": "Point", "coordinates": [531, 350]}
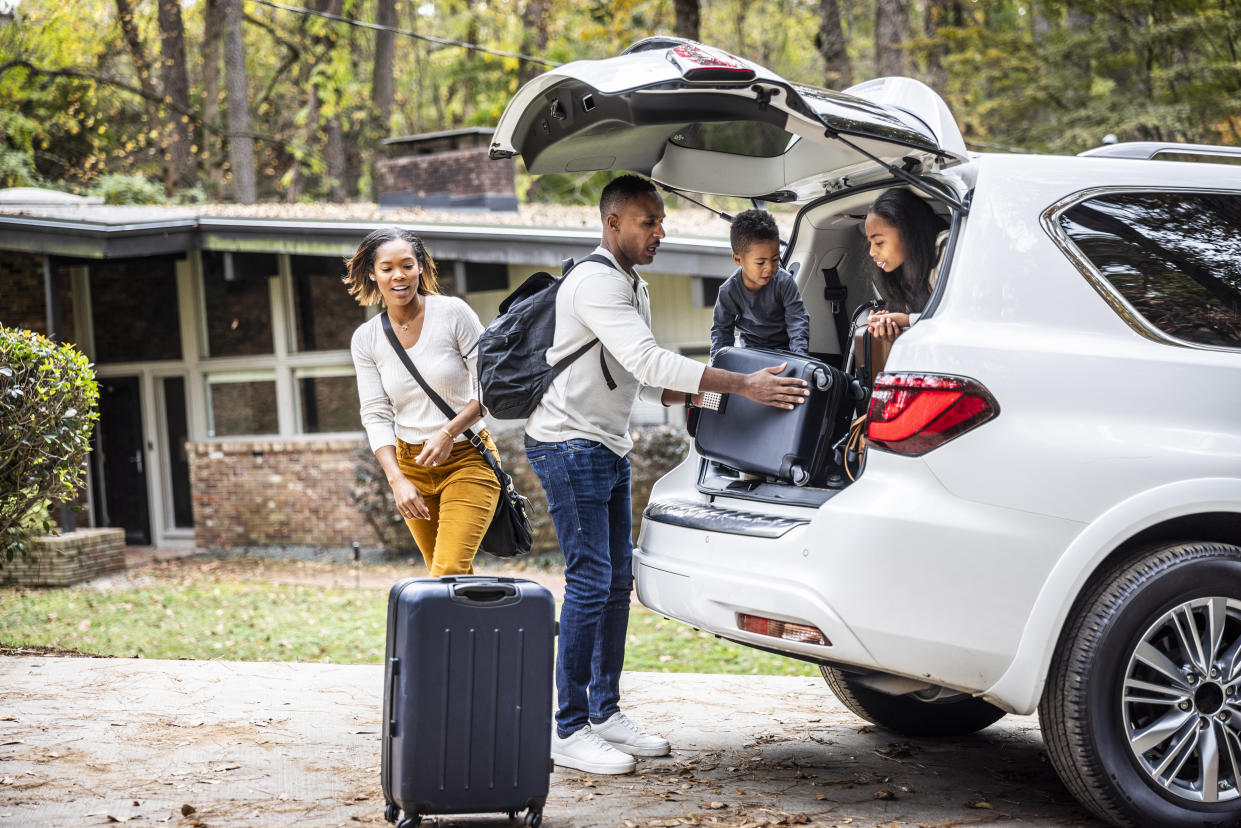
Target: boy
{"type": "Point", "coordinates": [760, 300]}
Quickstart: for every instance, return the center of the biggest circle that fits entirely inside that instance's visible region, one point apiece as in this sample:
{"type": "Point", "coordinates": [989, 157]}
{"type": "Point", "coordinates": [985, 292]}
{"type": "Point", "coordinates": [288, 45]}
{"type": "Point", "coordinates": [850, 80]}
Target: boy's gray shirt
{"type": "Point", "coordinates": [765, 317]}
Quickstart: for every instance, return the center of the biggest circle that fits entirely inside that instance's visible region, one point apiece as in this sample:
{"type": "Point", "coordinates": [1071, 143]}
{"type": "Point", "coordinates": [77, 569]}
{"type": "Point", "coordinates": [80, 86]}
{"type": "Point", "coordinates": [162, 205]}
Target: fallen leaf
{"type": "Point", "coordinates": [112, 818]}
{"type": "Point", "coordinates": [794, 819]}
{"type": "Point", "coordinates": [864, 729]}
{"type": "Point", "coordinates": [979, 804]}
{"type": "Point", "coordinates": [883, 794]}
{"type": "Point", "coordinates": [711, 806]}
{"type": "Point", "coordinates": [186, 810]}
{"type": "Point", "coordinates": [222, 768]}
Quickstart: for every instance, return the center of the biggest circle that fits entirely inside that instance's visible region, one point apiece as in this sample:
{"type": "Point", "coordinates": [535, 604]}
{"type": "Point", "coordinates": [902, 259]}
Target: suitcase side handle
{"type": "Point", "coordinates": [491, 594]}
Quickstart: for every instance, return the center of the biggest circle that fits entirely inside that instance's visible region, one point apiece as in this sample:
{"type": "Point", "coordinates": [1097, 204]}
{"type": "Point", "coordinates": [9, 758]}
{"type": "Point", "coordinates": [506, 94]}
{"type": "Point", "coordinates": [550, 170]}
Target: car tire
{"type": "Point", "coordinates": [1134, 720]}
{"type": "Point", "coordinates": [907, 714]}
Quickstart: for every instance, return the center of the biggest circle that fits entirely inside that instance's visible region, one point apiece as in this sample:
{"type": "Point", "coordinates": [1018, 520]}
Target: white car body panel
{"type": "Point", "coordinates": [959, 567]}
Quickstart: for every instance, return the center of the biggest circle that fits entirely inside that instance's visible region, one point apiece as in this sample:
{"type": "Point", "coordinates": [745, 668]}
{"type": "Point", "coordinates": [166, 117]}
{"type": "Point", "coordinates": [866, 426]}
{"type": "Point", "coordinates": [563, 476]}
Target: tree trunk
{"type": "Point", "coordinates": [382, 77]}
{"type": "Point", "coordinates": [837, 69]}
{"type": "Point", "coordinates": [182, 161]}
{"type": "Point", "coordinates": [213, 34]}
{"type": "Point", "coordinates": [240, 141]}
{"type": "Point", "coordinates": [534, 35]}
{"type": "Point", "coordinates": [937, 17]}
{"type": "Point", "coordinates": [687, 18]}
{"type": "Point", "coordinates": [142, 68]}
{"type": "Point", "coordinates": [891, 33]}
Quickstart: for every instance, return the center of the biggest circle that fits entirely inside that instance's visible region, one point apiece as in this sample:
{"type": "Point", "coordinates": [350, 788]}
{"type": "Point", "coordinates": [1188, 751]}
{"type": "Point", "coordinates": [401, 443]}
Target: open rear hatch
{"type": "Point", "coordinates": [698, 119]}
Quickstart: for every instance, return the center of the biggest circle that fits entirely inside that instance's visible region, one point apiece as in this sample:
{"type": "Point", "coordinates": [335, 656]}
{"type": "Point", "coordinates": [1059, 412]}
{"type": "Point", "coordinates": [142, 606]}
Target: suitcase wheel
{"type": "Point", "coordinates": [799, 475]}
{"type": "Point", "coordinates": [534, 818]}
{"type": "Point", "coordinates": [391, 812]}
{"type": "Point", "coordinates": [410, 821]}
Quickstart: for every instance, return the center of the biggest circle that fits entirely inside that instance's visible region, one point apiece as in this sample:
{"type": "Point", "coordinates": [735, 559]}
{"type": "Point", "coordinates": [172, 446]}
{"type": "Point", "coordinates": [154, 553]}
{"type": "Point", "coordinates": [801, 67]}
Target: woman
{"type": "Point", "coordinates": [902, 231]}
{"type": "Point", "coordinates": [443, 487]}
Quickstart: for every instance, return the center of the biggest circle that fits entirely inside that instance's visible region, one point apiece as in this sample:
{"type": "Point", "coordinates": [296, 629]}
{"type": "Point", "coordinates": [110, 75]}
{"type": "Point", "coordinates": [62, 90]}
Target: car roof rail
{"type": "Point", "coordinates": [1148, 150]}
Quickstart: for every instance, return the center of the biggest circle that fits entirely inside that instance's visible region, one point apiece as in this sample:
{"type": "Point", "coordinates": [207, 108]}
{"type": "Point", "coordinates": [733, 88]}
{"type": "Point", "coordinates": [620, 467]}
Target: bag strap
{"type": "Point", "coordinates": [474, 439]}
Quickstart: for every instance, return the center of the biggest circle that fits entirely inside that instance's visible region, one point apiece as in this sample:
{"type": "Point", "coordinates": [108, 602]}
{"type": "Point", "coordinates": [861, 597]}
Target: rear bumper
{"type": "Point", "coordinates": [899, 574]}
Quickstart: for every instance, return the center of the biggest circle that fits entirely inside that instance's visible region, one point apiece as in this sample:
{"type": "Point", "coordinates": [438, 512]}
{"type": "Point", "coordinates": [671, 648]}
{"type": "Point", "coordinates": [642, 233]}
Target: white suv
{"type": "Point", "coordinates": [1050, 512]}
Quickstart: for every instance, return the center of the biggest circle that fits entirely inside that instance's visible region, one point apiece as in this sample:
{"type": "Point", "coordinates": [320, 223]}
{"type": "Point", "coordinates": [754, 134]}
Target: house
{"type": "Point", "coordinates": [220, 338]}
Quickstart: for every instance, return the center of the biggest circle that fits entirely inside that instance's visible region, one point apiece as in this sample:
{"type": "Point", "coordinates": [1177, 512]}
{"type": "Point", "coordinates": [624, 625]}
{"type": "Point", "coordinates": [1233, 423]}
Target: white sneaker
{"type": "Point", "coordinates": [585, 751]}
{"type": "Point", "coordinates": [624, 735]}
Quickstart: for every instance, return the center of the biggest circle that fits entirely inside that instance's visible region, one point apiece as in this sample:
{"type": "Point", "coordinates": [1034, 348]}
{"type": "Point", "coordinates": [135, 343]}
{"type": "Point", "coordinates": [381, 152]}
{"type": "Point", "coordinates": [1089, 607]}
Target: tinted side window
{"type": "Point", "coordinates": [1175, 257]}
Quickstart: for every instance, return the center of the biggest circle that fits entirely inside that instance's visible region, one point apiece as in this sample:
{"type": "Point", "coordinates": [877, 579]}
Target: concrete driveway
{"type": "Point", "coordinates": [87, 741]}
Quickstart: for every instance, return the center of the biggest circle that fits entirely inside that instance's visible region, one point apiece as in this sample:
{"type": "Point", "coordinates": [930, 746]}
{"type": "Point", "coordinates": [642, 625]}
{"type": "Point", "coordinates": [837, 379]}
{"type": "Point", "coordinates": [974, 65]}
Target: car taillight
{"type": "Point", "coordinates": [914, 413]}
{"type": "Point", "coordinates": [781, 629]}
{"type": "Point", "coordinates": [701, 63]}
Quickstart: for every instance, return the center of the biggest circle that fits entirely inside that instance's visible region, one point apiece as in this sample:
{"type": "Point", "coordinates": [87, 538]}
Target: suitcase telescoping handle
{"type": "Point", "coordinates": [486, 593]}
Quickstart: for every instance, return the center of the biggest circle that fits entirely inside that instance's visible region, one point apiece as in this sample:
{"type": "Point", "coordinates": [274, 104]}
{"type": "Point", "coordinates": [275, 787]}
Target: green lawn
{"type": "Point", "coordinates": [249, 615]}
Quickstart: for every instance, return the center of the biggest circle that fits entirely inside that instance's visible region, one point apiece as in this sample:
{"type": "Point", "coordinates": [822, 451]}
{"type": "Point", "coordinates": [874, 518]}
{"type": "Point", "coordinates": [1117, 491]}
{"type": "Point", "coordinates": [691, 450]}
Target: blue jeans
{"type": "Point", "coordinates": [587, 490]}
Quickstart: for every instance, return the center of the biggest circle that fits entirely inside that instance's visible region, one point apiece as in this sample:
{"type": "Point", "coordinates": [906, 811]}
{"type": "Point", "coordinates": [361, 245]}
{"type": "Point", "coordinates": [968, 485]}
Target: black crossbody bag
{"type": "Point", "coordinates": [509, 533]}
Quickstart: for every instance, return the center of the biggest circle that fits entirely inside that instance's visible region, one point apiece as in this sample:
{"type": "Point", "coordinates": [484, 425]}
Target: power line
{"type": "Point", "coordinates": [362, 24]}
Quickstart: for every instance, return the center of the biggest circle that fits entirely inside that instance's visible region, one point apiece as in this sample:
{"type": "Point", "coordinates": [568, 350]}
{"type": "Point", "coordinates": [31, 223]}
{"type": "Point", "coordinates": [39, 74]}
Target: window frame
{"type": "Point", "coordinates": [1050, 220]}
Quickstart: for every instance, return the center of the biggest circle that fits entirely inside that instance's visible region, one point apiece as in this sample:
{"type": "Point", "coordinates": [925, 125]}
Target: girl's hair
{"type": "Point", "coordinates": [360, 266]}
{"type": "Point", "coordinates": [908, 288]}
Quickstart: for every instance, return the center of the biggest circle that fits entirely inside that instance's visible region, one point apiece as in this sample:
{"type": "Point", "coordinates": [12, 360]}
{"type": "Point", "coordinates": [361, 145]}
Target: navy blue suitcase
{"type": "Point", "coordinates": [467, 698]}
{"type": "Point", "coordinates": [793, 446]}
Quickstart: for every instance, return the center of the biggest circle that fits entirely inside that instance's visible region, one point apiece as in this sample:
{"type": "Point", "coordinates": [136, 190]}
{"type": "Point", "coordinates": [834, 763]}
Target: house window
{"type": "Point", "coordinates": [1175, 257]}
{"type": "Point", "coordinates": [241, 405]}
{"type": "Point", "coordinates": [328, 401]}
{"type": "Point", "coordinates": [706, 289]}
{"type": "Point", "coordinates": [485, 276]}
{"type": "Point", "coordinates": [238, 302]}
{"type": "Point", "coordinates": [134, 310]}
{"type": "Point", "coordinates": [324, 314]}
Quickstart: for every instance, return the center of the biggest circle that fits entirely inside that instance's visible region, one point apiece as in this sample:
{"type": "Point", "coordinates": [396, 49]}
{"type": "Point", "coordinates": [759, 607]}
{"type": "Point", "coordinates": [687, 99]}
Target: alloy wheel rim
{"type": "Point", "coordinates": [1181, 700]}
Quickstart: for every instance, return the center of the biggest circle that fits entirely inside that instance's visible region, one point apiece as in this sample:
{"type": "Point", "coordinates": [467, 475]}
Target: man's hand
{"type": "Point", "coordinates": [767, 387]}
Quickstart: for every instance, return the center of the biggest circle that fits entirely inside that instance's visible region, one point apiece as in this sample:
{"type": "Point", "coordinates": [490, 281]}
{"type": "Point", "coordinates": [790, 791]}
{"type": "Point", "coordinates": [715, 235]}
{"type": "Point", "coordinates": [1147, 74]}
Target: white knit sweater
{"type": "Point", "coordinates": [392, 403]}
{"type": "Point", "coordinates": [600, 302]}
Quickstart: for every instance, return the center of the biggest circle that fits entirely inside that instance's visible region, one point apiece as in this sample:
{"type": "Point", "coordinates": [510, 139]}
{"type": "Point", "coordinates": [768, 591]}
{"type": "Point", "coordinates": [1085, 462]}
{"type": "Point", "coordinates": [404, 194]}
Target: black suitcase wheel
{"type": "Point", "coordinates": [534, 819]}
{"type": "Point", "coordinates": [391, 812]}
{"type": "Point", "coordinates": [410, 821]}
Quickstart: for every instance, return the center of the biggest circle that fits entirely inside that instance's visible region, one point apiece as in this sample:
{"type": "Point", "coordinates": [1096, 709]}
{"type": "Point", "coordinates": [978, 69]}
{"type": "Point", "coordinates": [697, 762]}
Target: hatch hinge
{"type": "Point", "coordinates": [763, 96]}
{"type": "Point", "coordinates": [904, 174]}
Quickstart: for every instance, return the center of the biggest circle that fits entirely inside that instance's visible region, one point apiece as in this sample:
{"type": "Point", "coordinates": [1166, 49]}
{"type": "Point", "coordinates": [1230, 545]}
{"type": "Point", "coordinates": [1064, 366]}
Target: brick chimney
{"type": "Point", "coordinates": [444, 170]}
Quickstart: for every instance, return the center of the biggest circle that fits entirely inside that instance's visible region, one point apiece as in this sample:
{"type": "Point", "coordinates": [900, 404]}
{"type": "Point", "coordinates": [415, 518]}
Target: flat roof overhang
{"type": "Point", "coordinates": [546, 247]}
{"type": "Point", "coordinates": [78, 239]}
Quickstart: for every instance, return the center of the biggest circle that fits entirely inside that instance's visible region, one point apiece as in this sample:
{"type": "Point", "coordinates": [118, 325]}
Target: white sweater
{"type": "Point", "coordinates": [392, 403]}
{"type": "Point", "coordinates": [597, 301]}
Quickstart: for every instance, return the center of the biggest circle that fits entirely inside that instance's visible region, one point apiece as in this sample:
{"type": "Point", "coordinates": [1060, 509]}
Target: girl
{"type": "Point", "coordinates": [902, 230]}
{"type": "Point", "coordinates": [443, 487]}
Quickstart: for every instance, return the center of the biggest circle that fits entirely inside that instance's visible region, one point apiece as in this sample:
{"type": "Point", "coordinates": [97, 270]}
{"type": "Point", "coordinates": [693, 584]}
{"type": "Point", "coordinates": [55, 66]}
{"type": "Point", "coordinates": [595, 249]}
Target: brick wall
{"type": "Point", "coordinates": [276, 493]}
{"type": "Point", "coordinates": [465, 177]}
{"type": "Point", "coordinates": [67, 559]}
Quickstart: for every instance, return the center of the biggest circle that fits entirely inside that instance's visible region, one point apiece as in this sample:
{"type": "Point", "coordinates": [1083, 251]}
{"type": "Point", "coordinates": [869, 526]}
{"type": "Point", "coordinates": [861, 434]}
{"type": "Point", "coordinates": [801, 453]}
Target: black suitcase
{"type": "Point", "coordinates": [467, 698]}
{"type": "Point", "coordinates": [794, 446]}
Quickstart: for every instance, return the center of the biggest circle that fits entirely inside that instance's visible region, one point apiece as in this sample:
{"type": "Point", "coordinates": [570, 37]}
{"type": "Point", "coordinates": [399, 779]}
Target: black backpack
{"type": "Point", "coordinates": [513, 373]}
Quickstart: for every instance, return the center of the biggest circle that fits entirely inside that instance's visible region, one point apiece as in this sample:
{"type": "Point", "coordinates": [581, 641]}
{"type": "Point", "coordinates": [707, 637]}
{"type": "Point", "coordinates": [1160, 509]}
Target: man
{"type": "Point", "coordinates": [577, 441]}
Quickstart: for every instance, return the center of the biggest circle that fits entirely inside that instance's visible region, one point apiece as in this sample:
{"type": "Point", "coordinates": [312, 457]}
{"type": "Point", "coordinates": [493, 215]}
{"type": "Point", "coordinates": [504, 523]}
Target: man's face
{"type": "Point", "coordinates": [637, 228]}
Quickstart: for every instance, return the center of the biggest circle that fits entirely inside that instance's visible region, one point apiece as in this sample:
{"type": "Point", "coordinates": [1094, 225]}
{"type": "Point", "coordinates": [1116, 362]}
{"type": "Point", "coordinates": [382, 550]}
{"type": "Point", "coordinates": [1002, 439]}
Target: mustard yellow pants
{"type": "Point", "coordinates": [461, 494]}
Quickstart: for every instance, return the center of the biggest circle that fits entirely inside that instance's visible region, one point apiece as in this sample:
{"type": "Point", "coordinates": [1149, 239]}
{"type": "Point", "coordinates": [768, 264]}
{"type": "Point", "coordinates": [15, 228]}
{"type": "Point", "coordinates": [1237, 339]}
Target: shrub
{"type": "Point", "coordinates": [656, 450]}
{"type": "Point", "coordinates": [48, 398]}
{"type": "Point", "coordinates": [122, 188]}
